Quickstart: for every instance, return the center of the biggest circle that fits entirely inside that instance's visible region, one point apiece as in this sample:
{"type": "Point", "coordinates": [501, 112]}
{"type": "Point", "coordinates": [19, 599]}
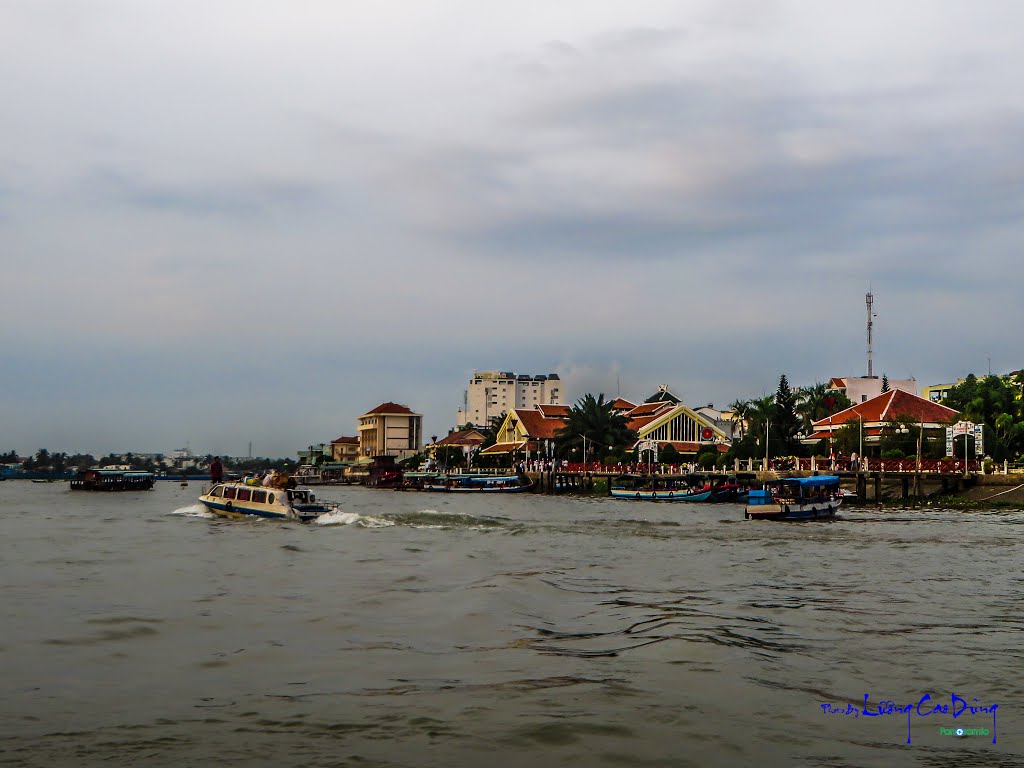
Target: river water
{"type": "Point", "coordinates": [415, 629]}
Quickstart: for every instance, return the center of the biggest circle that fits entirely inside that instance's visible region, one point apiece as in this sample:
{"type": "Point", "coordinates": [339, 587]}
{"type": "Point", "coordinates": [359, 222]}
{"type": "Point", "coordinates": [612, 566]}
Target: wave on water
{"type": "Point", "coordinates": [193, 510]}
{"type": "Point", "coordinates": [353, 518]}
{"type": "Point", "coordinates": [432, 518]}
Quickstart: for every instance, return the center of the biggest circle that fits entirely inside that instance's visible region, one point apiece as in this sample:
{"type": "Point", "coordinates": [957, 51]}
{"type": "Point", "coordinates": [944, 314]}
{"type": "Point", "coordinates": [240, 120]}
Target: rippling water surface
{"type": "Point", "coordinates": [413, 629]}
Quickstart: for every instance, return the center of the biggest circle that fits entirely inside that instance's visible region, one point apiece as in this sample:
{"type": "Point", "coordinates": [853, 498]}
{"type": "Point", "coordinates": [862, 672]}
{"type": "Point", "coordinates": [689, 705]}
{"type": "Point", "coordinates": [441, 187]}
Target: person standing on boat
{"type": "Point", "coordinates": [216, 470]}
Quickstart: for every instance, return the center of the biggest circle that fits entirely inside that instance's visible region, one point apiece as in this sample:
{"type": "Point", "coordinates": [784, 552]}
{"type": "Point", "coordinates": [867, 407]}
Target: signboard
{"type": "Point", "coordinates": [707, 433]}
{"type": "Point", "coordinates": [648, 445]}
{"type": "Point", "coordinates": [977, 431]}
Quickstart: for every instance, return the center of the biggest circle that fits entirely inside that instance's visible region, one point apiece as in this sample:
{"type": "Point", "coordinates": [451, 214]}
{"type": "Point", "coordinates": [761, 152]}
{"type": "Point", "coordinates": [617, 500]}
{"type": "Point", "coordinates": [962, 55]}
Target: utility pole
{"type": "Point", "coordinates": [870, 300]}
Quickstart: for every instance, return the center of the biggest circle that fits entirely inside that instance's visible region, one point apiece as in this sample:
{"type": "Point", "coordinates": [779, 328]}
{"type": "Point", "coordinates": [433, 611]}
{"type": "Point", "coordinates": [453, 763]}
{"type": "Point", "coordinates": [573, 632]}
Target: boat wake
{"type": "Point", "coordinates": [193, 510]}
{"type": "Point", "coordinates": [353, 518]}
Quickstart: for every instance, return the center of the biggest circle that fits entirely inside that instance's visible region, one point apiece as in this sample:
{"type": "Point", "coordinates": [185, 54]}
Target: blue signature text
{"type": "Point", "coordinates": [923, 708]}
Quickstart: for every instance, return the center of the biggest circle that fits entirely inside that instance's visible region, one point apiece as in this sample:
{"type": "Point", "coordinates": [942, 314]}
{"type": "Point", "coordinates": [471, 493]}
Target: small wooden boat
{"type": "Point", "coordinates": [240, 500]}
{"type": "Point", "coordinates": [795, 498]}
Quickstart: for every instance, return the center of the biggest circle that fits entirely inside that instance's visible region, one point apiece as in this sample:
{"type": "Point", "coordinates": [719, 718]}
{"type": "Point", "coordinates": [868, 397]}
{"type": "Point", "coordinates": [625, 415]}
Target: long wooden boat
{"type": "Point", "coordinates": [479, 484]}
{"type": "Point", "coordinates": [795, 498]}
{"type": "Point", "coordinates": [99, 479]}
{"type": "Point", "coordinates": [662, 495]}
{"type": "Point", "coordinates": [240, 500]}
{"type": "Point", "coordinates": [658, 488]}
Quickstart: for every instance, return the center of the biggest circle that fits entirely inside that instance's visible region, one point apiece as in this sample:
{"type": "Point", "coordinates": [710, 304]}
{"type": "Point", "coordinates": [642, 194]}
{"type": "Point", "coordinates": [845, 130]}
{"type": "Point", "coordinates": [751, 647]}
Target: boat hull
{"type": "Point", "coordinates": [458, 489]}
{"type": "Point", "coordinates": [792, 511]}
{"type": "Point", "coordinates": [663, 495]}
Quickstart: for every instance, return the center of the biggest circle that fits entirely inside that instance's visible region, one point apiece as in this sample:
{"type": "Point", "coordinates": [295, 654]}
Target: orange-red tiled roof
{"type": "Point", "coordinates": [554, 411]}
{"type": "Point", "coordinates": [391, 408]}
{"type": "Point", "coordinates": [649, 408]}
{"type": "Point", "coordinates": [346, 440]}
{"type": "Point", "coordinates": [537, 426]}
{"type": "Point", "coordinates": [462, 437]}
{"type": "Point", "coordinates": [891, 405]}
{"type": "Point", "coordinates": [622, 404]}
{"type": "Point", "coordinates": [504, 447]}
{"type": "Point", "coordinates": [640, 422]}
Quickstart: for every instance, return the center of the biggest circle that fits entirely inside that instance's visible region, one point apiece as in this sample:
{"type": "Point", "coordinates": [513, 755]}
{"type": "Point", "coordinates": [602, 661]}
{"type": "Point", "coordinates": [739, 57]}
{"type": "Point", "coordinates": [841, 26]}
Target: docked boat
{"type": "Point", "coordinates": [478, 483]}
{"type": "Point", "coordinates": [658, 488]}
{"type": "Point", "coordinates": [795, 498]}
{"type": "Point", "coordinates": [240, 500]}
{"type": "Point", "coordinates": [99, 479]}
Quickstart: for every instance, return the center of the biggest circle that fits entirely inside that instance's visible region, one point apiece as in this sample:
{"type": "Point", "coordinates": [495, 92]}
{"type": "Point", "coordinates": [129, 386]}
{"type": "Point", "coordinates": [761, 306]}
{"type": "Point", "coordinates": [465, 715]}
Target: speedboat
{"type": "Point", "coordinates": [240, 500]}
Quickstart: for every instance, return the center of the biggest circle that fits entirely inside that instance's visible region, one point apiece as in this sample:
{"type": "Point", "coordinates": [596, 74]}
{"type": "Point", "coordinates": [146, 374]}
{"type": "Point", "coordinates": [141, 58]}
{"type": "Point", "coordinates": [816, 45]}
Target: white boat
{"type": "Point", "coordinates": [241, 500]}
{"type": "Point", "coordinates": [795, 498]}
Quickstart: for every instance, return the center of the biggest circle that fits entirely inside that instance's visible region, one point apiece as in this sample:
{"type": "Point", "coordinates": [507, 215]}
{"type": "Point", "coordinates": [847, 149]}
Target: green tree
{"type": "Point", "coordinates": [449, 456]}
{"type": "Point", "coordinates": [593, 418]}
{"type": "Point", "coordinates": [740, 412]}
{"type": "Point", "coordinates": [819, 402]}
{"type": "Point", "coordinates": [669, 455]}
{"type": "Point", "coordinates": [997, 402]}
{"type": "Point", "coordinates": [885, 383]}
{"type": "Point", "coordinates": [786, 424]}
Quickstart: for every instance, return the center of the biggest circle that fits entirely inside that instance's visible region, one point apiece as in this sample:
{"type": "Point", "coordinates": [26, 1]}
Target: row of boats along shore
{"type": "Point", "coordinates": [281, 497]}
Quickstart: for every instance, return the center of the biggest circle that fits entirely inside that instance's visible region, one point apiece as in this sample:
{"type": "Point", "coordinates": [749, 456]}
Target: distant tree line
{"type": "Point", "coordinates": [44, 461]}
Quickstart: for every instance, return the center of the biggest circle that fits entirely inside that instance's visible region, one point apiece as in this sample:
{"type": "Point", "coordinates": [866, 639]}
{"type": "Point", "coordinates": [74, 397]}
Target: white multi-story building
{"type": "Point", "coordinates": [492, 393]}
{"type": "Point", "coordinates": [860, 389]}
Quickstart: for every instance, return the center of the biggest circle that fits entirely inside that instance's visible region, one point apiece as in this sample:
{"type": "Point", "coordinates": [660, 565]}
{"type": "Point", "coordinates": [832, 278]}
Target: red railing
{"type": "Point", "coordinates": [941, 466]}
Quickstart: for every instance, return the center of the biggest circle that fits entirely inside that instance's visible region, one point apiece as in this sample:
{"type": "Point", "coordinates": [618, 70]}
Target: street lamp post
{"type": "Point", "coordinates": [860, 456]}
{"type": "Point", "coordinates": [767, 426]}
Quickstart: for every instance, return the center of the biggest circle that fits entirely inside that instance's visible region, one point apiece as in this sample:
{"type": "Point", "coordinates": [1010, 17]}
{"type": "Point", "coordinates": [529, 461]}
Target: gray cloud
{"type": "Point", "coordinates": [692, 193]}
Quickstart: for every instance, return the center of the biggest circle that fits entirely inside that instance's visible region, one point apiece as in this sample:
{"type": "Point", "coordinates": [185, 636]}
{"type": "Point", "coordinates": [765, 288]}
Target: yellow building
{"type": "Point", "coordinates": [390, 429]}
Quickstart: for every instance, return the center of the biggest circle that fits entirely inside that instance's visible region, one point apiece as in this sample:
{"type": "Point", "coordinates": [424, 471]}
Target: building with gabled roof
{"type": "Point", "coordinates": [874, 414]}
{"type": "Point", "coordinates": [345, 449]}
{"type": "Point", "coordinates": [527, 429]}
{"type": "Point", "coordinates": [390, 429]}
{"type": "Point", "coordinates": [663, 395]}
{"type": "Point", "coordinates": [622, 405]}
{"type": "Point", "coordinates": [686, 430]}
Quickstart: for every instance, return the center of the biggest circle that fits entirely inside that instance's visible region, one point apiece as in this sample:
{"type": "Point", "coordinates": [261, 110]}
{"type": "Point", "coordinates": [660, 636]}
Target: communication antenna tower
{"type": "Point", "coordinates": [869, 298]}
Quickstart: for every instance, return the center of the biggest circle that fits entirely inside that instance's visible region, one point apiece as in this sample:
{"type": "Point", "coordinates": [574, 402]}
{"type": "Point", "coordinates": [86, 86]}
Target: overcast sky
{"type": "Point", "coordinates": [252, 220]}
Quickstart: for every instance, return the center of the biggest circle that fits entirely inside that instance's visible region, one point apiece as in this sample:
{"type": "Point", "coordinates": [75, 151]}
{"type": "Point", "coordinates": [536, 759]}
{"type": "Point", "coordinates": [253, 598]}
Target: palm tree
{"type": "Point", "coordinates": [762, 411]}
{"type": "Point", "coordinates": [740, 414]}
{"type": "Point", "coordinates": [594, 420]}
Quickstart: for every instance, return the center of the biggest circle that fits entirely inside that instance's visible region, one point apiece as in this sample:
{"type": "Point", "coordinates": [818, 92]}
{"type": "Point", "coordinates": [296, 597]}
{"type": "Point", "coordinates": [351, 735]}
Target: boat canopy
{"type": "Point", "coordinates": [811, 482]}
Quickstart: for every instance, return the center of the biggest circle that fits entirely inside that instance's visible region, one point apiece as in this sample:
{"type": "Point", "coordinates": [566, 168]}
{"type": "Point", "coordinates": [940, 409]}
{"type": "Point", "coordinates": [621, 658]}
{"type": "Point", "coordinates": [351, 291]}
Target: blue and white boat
{"type": "Point", "coordinates": [640, 488]}
{"type": "Point", "coordinates": [795, 498]}
{"type": "Point", "coordinates": [241, 500]}
{"type": "Point", "coordinates": [478, 484]}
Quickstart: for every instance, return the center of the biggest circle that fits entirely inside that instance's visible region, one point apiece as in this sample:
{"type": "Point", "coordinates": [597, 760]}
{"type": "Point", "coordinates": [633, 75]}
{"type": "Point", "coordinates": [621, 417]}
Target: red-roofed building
{"type": "Point", "coordinates": [875, 413]}
{"type": "Point", "coordinates": [390, 429]}
{"type": "Point", "coordinates": [528, 429]}
{"type": "Point", "coordinates": [345, 449]}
